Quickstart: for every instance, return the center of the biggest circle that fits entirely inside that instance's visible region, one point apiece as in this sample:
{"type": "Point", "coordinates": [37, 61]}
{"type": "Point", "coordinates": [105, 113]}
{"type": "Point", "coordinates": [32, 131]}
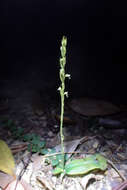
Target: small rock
{"type": "Point", "coordinates": [50, 134]}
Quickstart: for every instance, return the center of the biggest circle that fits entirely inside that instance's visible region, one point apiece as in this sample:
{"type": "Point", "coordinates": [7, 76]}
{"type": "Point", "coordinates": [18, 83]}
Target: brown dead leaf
{"type": "Point", "coordinates": [5, 179]}
{"type": "Point", "coordinates": [7, 163]}
{"type": "Point", "coordinates": [20, 185]}
{"type": "Point", "coordinates": [92, 107]}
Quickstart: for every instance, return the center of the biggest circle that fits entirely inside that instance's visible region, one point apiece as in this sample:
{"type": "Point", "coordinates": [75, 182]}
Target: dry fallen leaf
{"type": "Point", "coordinates": [93, 107]}
{"type": "Point", "coordinates": [5, 179]}
{"type": "Point", "coordinates": [20, 185]}
{"type": "Point", "coordinates": [14, 184]}
{"type": "Point", "coordinates": [7, 163]}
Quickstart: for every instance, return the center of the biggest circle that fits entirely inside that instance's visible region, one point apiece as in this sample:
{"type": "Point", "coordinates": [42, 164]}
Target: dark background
{"type": "Point", "coordinates": [30, 35]}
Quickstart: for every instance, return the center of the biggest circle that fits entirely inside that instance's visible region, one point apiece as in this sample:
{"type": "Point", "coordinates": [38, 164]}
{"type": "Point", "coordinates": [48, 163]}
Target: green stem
{"type": "Point", "coordinates": [61, 124]}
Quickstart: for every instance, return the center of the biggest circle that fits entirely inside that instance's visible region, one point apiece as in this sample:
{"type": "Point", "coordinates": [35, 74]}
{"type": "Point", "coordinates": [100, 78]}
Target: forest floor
{"type": "Point", "coordinates": [27, 110]}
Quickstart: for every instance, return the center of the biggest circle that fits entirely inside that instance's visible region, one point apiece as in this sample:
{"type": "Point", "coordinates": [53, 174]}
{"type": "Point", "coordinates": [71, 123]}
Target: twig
{"type": "Point", "coordinates": [114, 167]}
{"type": "Point", "coordinates": [45, 183]}
{"type": "Point", "coordinates": [57, 153]}
{"type": "Point", "coordinates": [24, 169]}
{"type": "Point", "coordinates": [122, 186]}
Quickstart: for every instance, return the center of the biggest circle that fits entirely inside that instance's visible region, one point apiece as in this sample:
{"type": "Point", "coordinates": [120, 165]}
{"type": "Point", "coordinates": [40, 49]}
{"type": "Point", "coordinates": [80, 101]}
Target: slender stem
{"type": "Point", "coordinates": [61, 124]}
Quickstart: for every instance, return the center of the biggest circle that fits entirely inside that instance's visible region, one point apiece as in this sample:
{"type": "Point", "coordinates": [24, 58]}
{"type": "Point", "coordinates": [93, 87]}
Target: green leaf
{"type": "Point", "coordinates": [29, 147]}
{"type": "Point", "coordinates": [83, 166]}
{"type": "Point", "coordinates": [13, 129]}
{"type": "Point", "coordinates": [27, 137]}
{"type": "Point", "coordinates": [10, 123]}
{"type": "Point", "coordinates": [58, 170]}
{"type": "Point", "coordinates": [17, 132]}
{"type": "Point", "coordinates": [35, 148]}
{"type": "Point", "coordinates": [42, 144]}
{"type": "Point", "coordinates": [36, 140]}
{"type": "Point", "coordinates": [54, 160]}
{"type": "Point", "coordinates": [44, 151]}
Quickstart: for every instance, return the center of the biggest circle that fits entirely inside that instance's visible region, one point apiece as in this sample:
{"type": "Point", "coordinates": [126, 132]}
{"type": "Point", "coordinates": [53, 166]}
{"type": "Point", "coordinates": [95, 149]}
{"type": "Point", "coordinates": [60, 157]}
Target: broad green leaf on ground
{"type": "Point", "coordinates": [58, 170]}
{"type": "Point", "coordinates": [83, 166]}
{"type": "Point", "coordinates": [7, 163]}
{"type": "Point", "coordinates": [56, 162]}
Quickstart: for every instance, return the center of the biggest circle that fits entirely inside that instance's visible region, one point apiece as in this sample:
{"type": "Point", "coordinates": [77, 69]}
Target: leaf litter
{"type": "Point", "coordinates": [39, 174]}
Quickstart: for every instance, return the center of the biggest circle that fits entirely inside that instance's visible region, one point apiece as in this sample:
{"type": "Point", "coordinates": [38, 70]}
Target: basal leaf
{"type": "Point", "coordinates": [83, 166]}
{"type": "Point", "coordinates": [58, 170]}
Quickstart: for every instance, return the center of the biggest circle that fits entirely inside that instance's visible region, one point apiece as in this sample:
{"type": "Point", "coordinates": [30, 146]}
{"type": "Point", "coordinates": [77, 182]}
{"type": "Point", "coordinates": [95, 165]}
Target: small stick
{"type": "Point", "coordinates": [24, 169]}
{"type": "Point", "coordinates": [119, 173]}
{"type": "Point", "coordinates": [122, 186]}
